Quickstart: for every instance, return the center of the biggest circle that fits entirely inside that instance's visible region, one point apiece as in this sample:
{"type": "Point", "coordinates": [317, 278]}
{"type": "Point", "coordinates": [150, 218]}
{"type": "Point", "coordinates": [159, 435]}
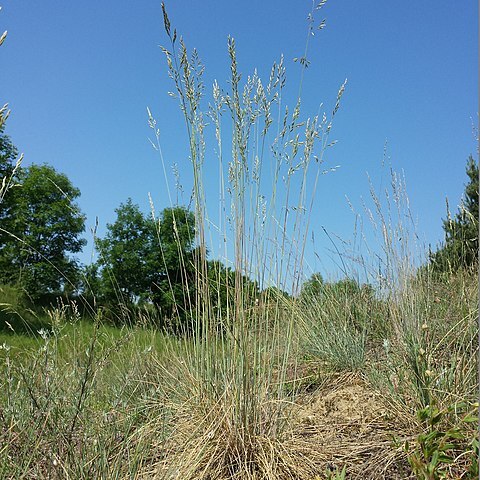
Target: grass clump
{"type": "Point", "coordinates": [263, 380]}
{"type": "Point", "coordinates": [229, 385]}
{"type": "Point", "coordinates": [335, 324]}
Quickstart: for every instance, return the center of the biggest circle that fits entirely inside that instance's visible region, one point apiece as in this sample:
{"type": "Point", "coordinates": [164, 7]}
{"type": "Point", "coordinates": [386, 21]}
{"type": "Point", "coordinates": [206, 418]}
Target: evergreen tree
{"type": "Point", "coordinates": [460, 248]}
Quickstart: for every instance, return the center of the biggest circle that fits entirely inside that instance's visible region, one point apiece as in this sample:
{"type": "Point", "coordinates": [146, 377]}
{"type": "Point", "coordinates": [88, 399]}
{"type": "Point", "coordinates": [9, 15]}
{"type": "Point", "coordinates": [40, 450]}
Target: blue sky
{"type": "Point", "coordinates": [79, 75]}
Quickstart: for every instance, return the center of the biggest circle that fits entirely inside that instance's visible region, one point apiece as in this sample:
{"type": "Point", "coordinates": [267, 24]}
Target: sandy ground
{"type": "Point", "coordinates": [346, 423]}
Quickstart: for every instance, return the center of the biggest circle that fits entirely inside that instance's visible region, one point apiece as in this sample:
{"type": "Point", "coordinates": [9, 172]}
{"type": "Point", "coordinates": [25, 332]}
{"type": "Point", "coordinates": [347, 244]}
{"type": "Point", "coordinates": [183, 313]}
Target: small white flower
{"type": "Point", "coordinates": [43, 333]}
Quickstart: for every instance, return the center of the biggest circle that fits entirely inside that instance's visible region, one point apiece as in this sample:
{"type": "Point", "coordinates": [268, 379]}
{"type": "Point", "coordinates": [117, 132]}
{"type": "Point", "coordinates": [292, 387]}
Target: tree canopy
{"type": "Point", "coordinates": [40, 229]}
{"type": "Point", "coordinates": [145, 259]}
{"type": "Point", "coordinates": [460, 248]}
{"type": "Point", "coordinates": [123, 253]}
{"type": "Point", "coordinates": [9, 164]}
{"type": "Point", "coordinates": [172, 259]}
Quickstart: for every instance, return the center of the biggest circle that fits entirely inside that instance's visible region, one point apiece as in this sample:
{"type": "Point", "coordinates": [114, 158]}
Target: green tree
{"type": "Point", "coordinates": [274, 294]}
{"type": "Point", "coordinates": [221, 284]}
{"type": "Point", "coordinates": [172, 265]}
{"type": "Point", "coordinates": [91, 286]}
{"type": "Point", "coordinates": [40, 229]}
{"type": "Point", "coordinates": [460, 248]}
{"type": "Point", "coordinates": [8, 154]}
{"type": "Point", "coordinates": [313, 288]}
{"type": "Point", "coordinates": [149, 260]}
{"type": "Point", "coordinates": [9, 167]}
{"type": "Point", "coordinates": [123, 254]}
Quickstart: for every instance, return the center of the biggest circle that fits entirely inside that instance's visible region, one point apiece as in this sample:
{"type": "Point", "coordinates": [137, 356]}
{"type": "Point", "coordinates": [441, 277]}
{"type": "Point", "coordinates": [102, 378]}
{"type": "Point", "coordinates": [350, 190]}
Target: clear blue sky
{"type": "Point", "coordinates": [79, 75]}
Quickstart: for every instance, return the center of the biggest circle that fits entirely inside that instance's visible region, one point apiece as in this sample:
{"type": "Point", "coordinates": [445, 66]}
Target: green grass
{"type": "Point", "coordinates": [70, 395]}
{"type": "Point", "coordinates": [92, 400]}
{"type": "Point", "coordinates": [81, 398]}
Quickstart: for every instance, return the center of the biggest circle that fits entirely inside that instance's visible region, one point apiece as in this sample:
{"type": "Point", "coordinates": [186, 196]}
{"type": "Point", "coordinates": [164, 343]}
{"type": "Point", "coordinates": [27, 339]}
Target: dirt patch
{"type": "Point", "coordinates": [347, 423]}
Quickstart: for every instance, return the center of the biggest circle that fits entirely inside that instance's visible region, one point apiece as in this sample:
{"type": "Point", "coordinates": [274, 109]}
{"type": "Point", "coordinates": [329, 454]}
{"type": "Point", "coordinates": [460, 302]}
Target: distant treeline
{"type": "Point", "coordinates": [143, 260]}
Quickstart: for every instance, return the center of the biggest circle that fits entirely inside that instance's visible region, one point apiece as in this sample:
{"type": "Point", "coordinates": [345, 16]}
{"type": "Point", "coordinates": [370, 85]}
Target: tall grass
{"type": "Point", "coordinates": [424, 323]}
{"type": "Point", "coordinates": [336, 323]}
{"type": "Point", "coordinates": [413, 336]}
{"type": "Point", "coordinates": [93, 401]}
{"type": "Point", "coordinates": [433, 332]}
{"type": "Point", "coordinates": [74, 406]}
{"type": "Point", "coordinates": [229, 387]}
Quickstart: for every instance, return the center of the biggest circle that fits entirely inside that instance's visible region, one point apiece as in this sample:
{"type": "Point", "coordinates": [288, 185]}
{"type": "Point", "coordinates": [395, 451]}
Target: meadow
{"type": "Point", "coordinates": [370, 388]}
{"type": "Point", "coordinates": [345, 380]}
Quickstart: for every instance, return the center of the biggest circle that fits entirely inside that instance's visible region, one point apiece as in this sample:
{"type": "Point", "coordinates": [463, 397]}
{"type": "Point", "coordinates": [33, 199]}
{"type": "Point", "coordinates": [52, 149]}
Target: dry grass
{"type": "Point", "coordinates": [228, 392]}
{"type": "Point", "coordinates": [282, 389]}
{"type": "Point", "coordinates": [347, 423]}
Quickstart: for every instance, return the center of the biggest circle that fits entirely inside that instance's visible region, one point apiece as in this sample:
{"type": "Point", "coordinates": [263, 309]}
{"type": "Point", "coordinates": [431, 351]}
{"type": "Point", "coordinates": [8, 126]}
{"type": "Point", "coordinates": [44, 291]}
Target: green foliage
{"type": "Point", "coordinates": [9, 166]}
{"type": "Point", "coordinates": [40, 229]}
{"type": "Point", "coordinates": [313, 288]}
{"type": "Point", "coordinates": [222, 284]}
{"type": "Point", "coordinates": [147, 260]}
{"type": "Point", "coordinates": [124, 252]}
{"type": "Point", "coordinates": [91, 286]}
{"type": "Point", "coordinates": [73, 402]}
{"type": "Point", "coordinates": [273, 295]}
{"type": "Point", "coordinates": [436, 447]}
{"type": "Point", "coordinates": [171, 265]}
{"type": "Point", "coordinates": [8, 154]}
{"type": "Point", "coordinates": [337, 474]}
{"type": "Point", "coordinates": [16, 313]}
{"type": "Point", "coordinates": [348, 299]}
{"type": "Point", "coordinates": [461, 232]}
{"type": "Point", "coordinates": [337, 317]}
